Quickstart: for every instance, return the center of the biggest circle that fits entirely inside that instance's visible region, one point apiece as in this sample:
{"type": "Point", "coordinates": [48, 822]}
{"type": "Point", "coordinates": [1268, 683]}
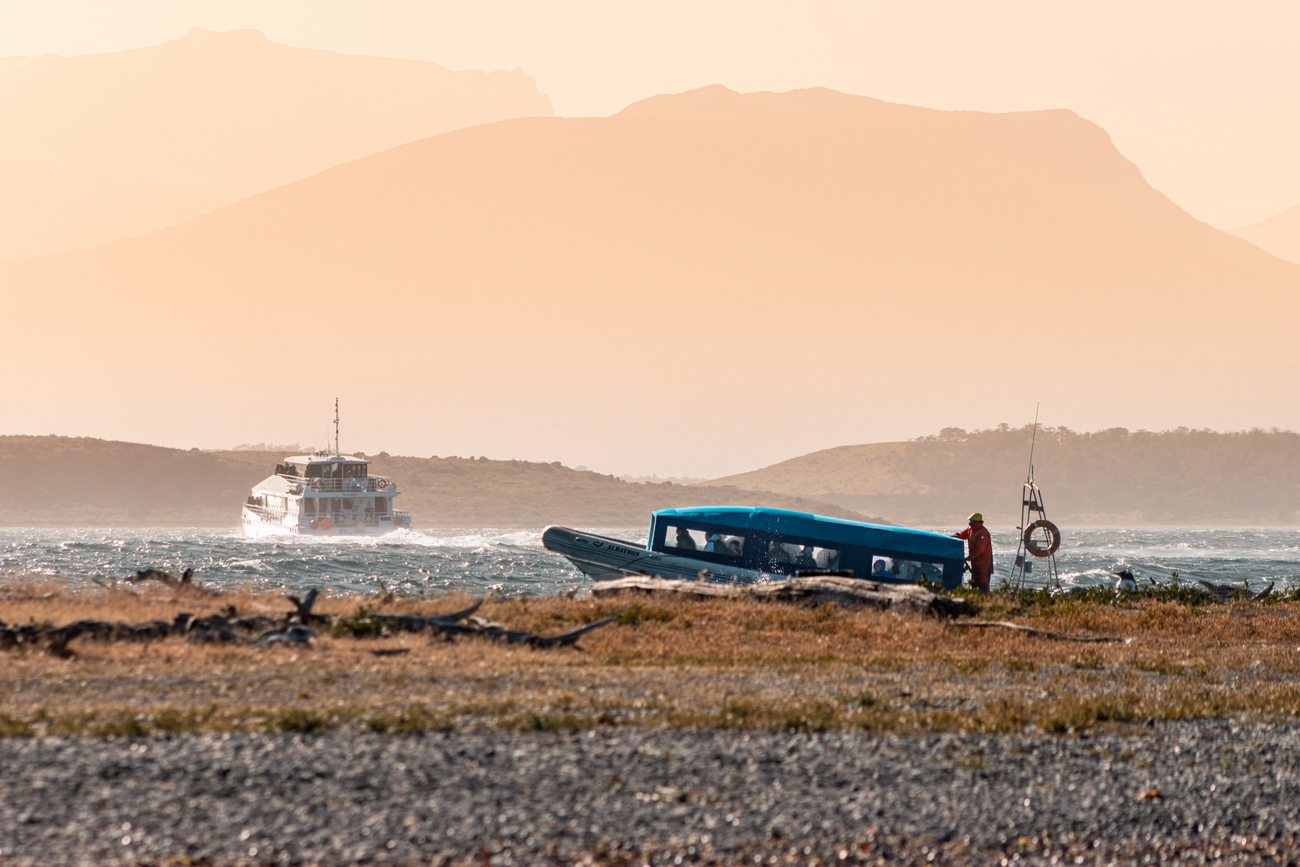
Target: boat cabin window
{"type": "Point", "coordinates": [784, 557]}
{"type": "Point", "coordinates": [883, 567]}
{"type": "Point", "coordinates": [337, 470]}
{"type": "Point", "coordinates": [684, 539]}
{"type": "Point", "coordinates": [677, 538]}
{"type": "Point", "coordinates": [896, 568]}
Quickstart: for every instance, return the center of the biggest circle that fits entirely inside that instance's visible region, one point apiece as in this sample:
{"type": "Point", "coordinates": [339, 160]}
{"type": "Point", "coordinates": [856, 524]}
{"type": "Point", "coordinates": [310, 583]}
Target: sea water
{"type": "Point", "coordinates": [514, 563]}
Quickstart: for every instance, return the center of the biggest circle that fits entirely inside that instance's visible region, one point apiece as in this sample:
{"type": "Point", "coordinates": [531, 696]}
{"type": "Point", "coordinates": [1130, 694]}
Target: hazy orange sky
{"type": "Point", "coordinates": [1202, 96]}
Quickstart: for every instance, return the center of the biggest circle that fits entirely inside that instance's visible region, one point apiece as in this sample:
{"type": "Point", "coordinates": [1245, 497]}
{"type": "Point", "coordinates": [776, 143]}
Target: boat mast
{"type": "Point", "coordinates": [336, 428]}
{"type": "Point", "coordinates": [1032, 442]}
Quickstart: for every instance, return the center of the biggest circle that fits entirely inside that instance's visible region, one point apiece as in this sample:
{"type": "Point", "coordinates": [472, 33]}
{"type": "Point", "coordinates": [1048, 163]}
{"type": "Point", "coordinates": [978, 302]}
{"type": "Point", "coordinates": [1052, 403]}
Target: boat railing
{"type": "Point", "coordinates": [264, 513]}
{"type": "Point", "coordinates": [346, 518]}
{"type": "Point", "coordinates": [369, 484]}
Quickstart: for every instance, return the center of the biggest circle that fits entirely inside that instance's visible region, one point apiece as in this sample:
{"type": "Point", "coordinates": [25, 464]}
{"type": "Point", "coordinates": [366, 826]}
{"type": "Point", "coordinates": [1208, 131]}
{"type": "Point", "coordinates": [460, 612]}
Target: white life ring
{"type": "Point", "coordinates": [318, 485]}
{"type": "Point", "coordinates": [1035, 546]}
{"type": "Point", "coordinates": [382, 484]}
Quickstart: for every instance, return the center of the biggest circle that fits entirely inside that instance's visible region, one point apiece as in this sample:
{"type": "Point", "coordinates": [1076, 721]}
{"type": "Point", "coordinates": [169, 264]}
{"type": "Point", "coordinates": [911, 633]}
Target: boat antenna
{"type": "Point", "coordinates": [336, 427]}
{"type": "Point", "coordinates": [1032, 442]}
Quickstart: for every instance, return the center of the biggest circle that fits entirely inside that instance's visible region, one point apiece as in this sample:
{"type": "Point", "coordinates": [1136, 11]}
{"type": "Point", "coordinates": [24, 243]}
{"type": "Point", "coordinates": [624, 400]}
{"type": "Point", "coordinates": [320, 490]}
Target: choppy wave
{"type": "Point", "coordinates": [1255, 556]}
{"type": "Point", "coordinates": [513, 562]}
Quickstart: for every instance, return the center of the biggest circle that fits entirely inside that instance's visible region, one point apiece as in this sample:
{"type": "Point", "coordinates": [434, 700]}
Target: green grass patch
{"type": "Point", "coordinates": [413, 720]}
{"type": "Point", "coordinates": [300, 721]}
{"type": "Point", "coordinates": [358, 625]}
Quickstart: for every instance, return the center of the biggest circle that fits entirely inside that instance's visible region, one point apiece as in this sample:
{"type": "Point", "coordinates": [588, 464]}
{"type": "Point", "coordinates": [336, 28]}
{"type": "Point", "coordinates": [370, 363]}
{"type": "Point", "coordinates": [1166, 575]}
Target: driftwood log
{"type": "Point", "coordinates": [227, 627]}
{"type": "Point", "coordinates": [1039, 633]}
{"type": "Point", "coordinates": [814, 591]}
{"type": "Point", "coordinates": [186, 582]}
{"type": "Point", "coordinates": [464, 623]}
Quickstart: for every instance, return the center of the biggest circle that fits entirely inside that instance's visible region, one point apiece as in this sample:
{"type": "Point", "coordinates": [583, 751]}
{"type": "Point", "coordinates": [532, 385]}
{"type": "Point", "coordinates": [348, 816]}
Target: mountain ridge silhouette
{"type": "Point", "coordinates": [214, 117]}
{"type": "Point", "coordinates": [810, 262]}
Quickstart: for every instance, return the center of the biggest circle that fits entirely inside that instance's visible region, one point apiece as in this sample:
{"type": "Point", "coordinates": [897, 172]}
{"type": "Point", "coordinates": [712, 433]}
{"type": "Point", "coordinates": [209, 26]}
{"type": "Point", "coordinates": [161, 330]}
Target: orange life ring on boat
{"type": "Point", "coordinates": [382, 484]}
{"type": "Point", "coordinates": [326, 523]}
{"type": "Point", "coordinates": [314, 524]}
{"type": "Point", "coordinates": [318, 485]}
{"type": "Point", "coordinates": [1036, 547]}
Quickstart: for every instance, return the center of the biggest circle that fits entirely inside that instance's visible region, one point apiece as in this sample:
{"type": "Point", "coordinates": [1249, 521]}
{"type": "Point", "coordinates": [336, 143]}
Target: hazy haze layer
{"type": "Point", "coordinates": [703, 283]}
{"type": "Point", "coordinates": [1280, 235]}
{"type": "Point", "coordinates": [1200, 95]}
{"type": "Point", "coordinates": [100, 147]}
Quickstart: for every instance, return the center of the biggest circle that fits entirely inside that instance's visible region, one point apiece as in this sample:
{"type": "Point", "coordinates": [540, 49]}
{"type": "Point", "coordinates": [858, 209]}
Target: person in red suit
{"type": "Point", "coordinates": [980, 551]}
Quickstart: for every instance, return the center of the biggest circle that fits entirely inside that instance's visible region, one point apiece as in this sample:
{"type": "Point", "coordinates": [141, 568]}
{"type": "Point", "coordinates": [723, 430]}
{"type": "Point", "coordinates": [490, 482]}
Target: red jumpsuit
{"type": "Point", "coordinates": [980, 545]}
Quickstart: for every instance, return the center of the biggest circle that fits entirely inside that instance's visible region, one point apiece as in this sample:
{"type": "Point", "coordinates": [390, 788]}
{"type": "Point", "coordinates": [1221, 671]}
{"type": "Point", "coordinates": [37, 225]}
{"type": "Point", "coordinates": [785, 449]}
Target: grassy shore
{"type": "Point", "coordinates": [671, 663]}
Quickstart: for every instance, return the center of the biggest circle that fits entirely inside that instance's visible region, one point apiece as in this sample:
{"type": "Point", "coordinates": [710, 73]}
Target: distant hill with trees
{"type": "Point", "coordinates": [67, 481]}
{"type": "Point", "coordinates": [1113, 476]}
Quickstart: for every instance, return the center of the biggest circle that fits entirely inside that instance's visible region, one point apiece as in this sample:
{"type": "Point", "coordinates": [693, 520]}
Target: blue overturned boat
{"type": "Point", "coordinates": [744, 545]}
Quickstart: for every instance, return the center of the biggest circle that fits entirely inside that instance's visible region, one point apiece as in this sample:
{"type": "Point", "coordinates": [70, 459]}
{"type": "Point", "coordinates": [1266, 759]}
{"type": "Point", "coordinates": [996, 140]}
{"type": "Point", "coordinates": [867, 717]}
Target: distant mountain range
{"type": "Point", "coordinates": [706, 274]}
{"type": "Point", "coordinates": [68, 481]}
{"type": "Point", "coordinates": [1108, 477]}
{"type": "Point", "coordinates": [1279, 235]}
{"type": "Point", "coordinates": [105, 146]}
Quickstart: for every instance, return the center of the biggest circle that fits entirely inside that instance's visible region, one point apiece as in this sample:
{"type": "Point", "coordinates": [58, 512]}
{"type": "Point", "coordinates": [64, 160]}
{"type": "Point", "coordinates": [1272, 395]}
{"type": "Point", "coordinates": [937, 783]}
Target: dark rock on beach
{"type": "Point", "coordinates": [1187, 793]}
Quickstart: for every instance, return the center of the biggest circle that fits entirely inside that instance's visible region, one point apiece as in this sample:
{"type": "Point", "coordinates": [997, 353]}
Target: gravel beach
{"type": "Point", "coordinates": [1180, 792]}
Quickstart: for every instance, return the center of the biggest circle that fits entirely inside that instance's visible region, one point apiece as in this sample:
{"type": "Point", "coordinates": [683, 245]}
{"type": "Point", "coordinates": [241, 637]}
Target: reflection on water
{"type": "Point", "coordinates": [513, 562]}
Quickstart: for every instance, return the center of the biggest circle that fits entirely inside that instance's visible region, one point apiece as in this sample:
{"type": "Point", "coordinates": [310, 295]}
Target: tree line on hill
{"type": "Point", "coordinates": [1104, 477]}
{"type": "Point", "coordinates": [1113, 476]}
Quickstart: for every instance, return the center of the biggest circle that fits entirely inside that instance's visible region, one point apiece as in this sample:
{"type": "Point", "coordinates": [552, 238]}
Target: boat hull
{"type": "Point", "coordinates": [257, 528]}
{"type": "Point", "coordinates": [602, 558]}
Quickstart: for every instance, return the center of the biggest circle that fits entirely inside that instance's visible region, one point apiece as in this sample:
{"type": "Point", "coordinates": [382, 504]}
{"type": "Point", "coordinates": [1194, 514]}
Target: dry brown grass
{"type": "Point", "coordinates": [668, 662]}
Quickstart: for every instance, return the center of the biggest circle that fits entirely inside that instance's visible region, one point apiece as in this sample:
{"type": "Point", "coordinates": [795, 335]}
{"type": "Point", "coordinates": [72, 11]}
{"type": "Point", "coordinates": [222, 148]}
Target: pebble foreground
{"type": "Point", "coordinates": [1174, 793]}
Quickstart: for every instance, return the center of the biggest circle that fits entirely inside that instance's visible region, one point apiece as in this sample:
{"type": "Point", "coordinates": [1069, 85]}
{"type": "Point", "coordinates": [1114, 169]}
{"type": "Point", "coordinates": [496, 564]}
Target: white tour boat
{"type": "Point", "coordinates": [323, 494]}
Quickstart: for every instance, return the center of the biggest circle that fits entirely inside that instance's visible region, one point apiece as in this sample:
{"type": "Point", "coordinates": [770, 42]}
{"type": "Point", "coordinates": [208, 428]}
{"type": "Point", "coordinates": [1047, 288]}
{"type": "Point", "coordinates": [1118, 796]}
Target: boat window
{"type": "Point", "coordinates": [883, 567]}
{"type": "Point", "coordinates": [684, 539]}
{"type": "Point", "coordinates": [785, 556]}
{"type": "Point", "coordinates": [308, 506]}
{"type": "Point", "coordinates": [726, 544]}
{"type": "Point", "coordinates": [381, 505]}
{"type": "Point", "coordinates": [932, 572]}
{"type": "Point", "coordinates": [354, 471]}
{"type": "Point", "coordinates": [687, 539]}
{"type": "Point", "coordinates": [907, 570]}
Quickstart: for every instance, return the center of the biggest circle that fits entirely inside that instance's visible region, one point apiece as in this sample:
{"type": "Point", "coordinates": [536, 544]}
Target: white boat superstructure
{"type": "Point", "coordinates": [323, 495]}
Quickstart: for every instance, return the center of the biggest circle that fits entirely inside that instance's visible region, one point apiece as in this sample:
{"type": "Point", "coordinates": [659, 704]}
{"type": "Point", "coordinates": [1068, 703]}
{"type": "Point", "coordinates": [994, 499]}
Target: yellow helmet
{"type": "Point", "coordinates": [975, 516]}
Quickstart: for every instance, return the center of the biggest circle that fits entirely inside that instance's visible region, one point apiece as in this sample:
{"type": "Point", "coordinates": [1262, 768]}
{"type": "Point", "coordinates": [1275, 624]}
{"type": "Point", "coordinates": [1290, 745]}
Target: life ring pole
{"type": "Point", "coordinates": [1039, 539]}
